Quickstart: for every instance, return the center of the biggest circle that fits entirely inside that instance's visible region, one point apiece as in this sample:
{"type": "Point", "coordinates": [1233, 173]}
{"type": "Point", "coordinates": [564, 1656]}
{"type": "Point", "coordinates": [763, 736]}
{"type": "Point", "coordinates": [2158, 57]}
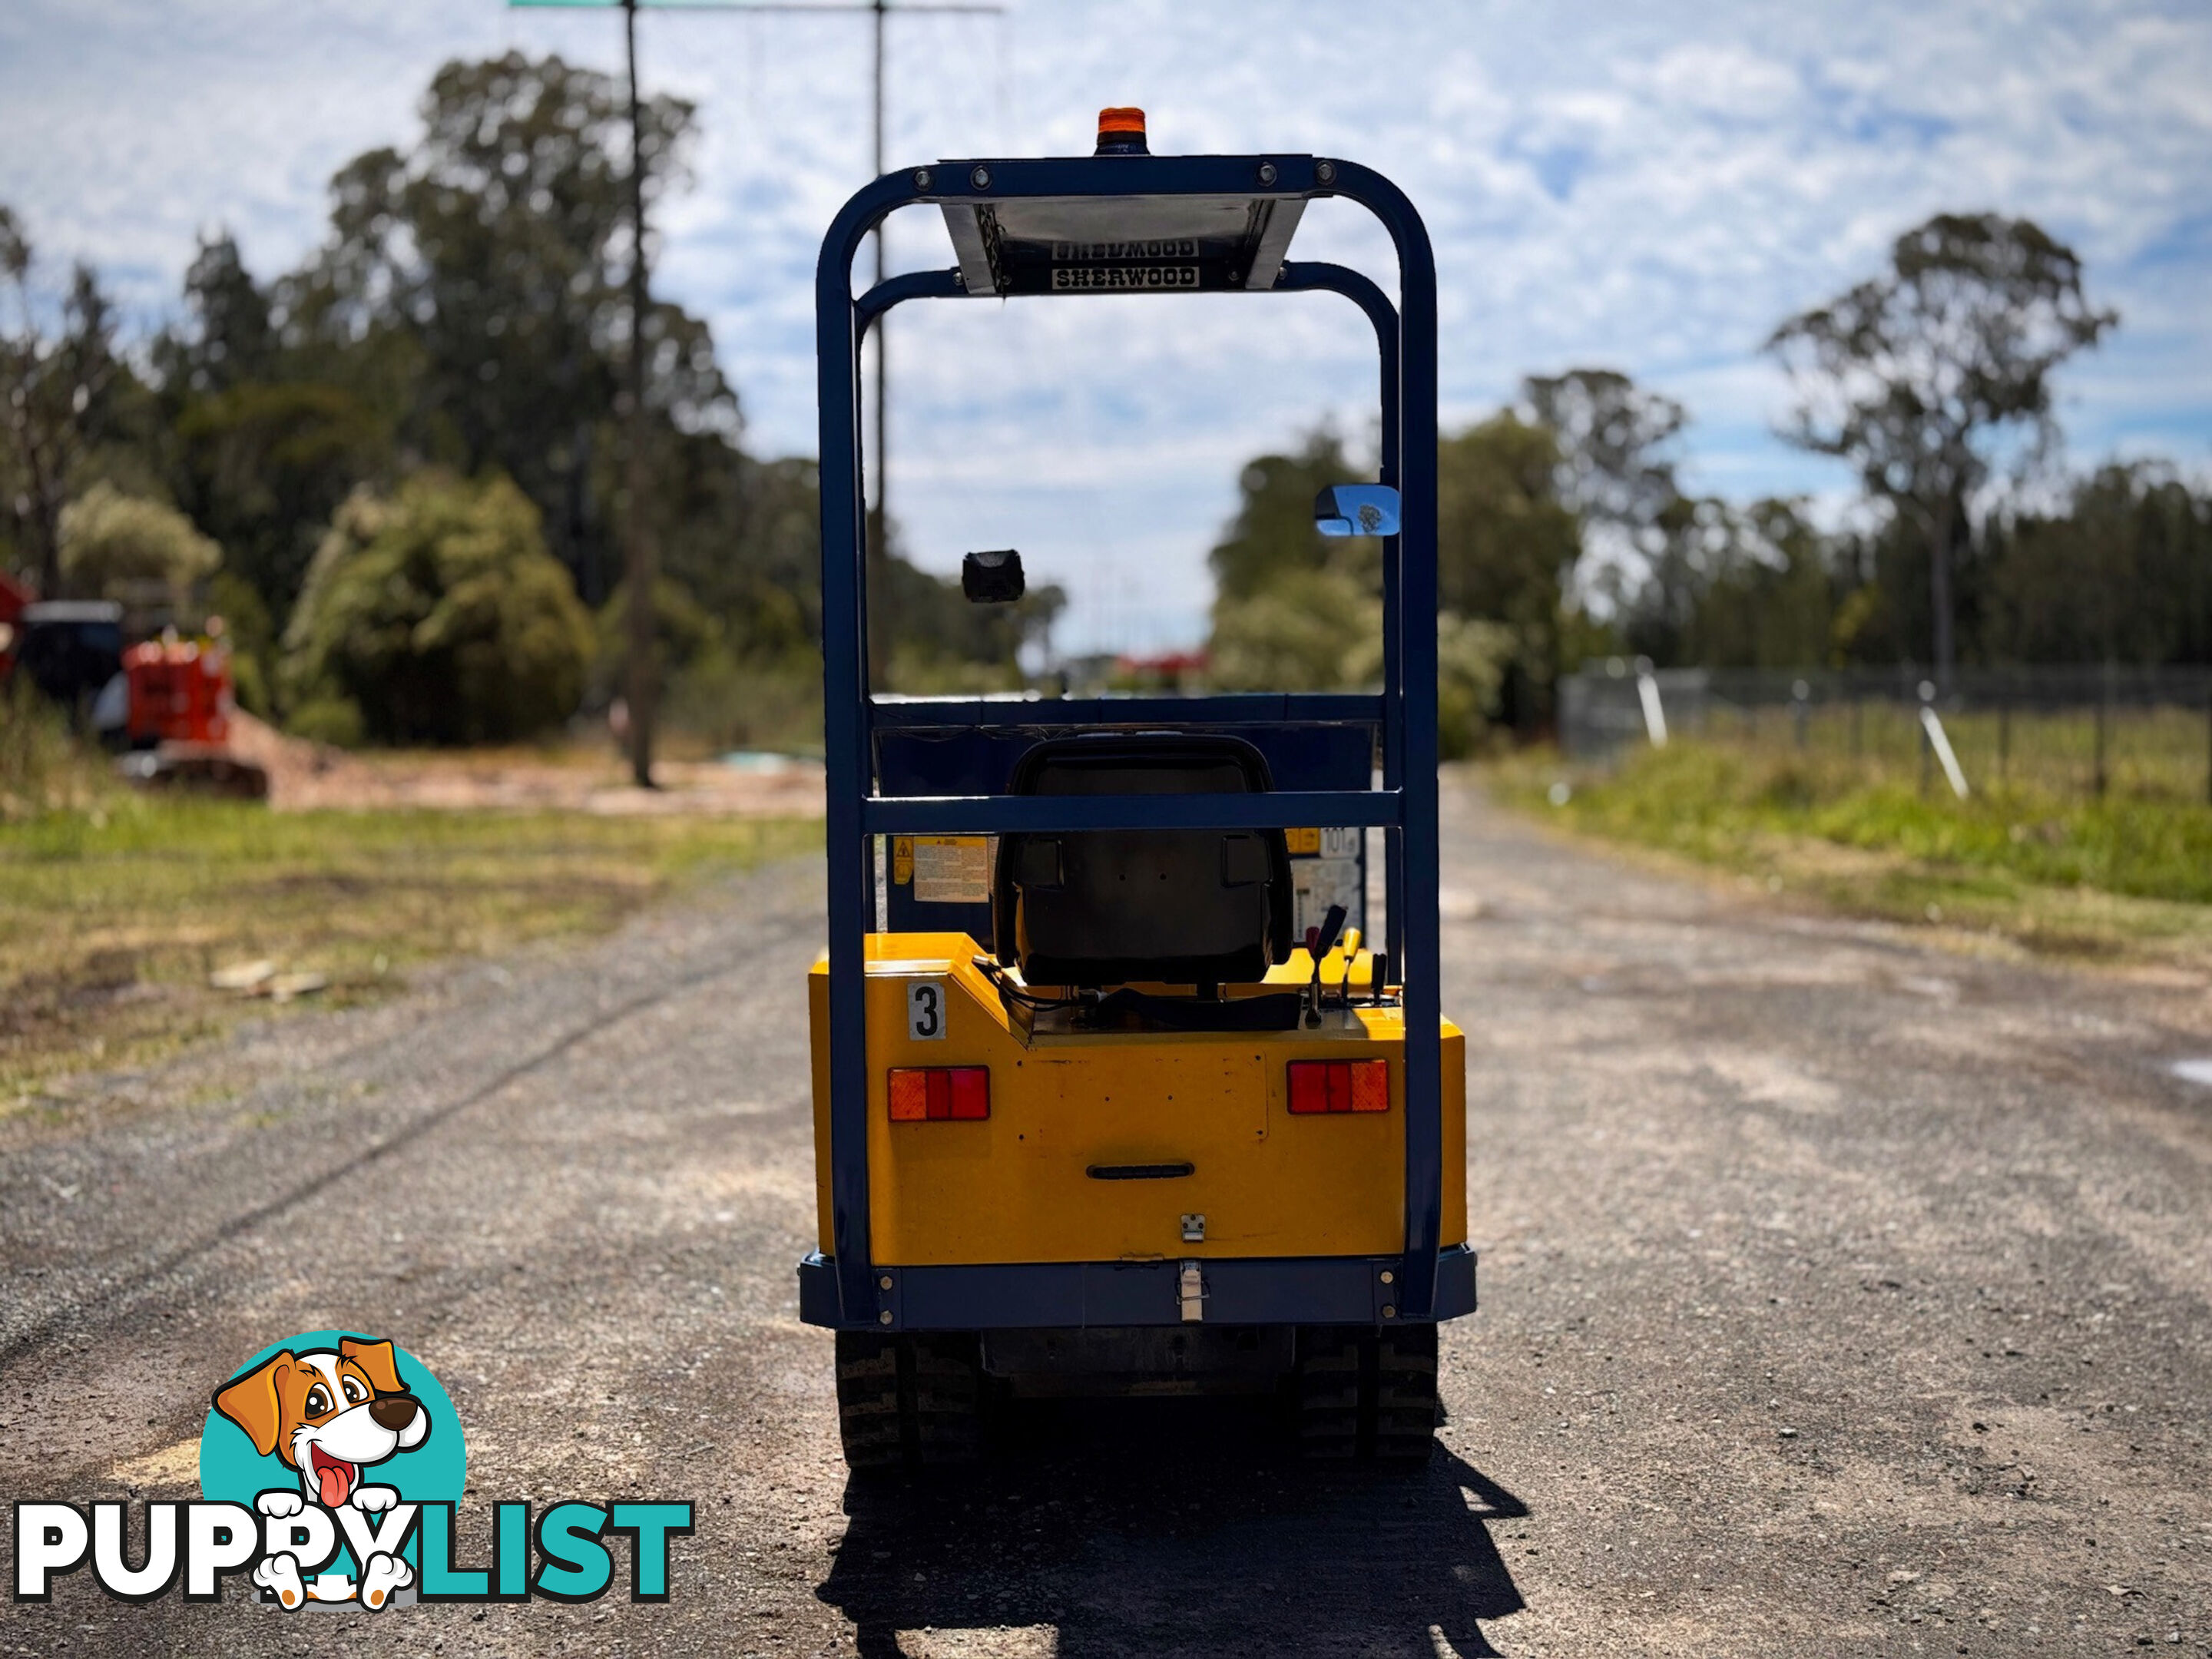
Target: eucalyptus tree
{"type": "Point", "coordinates": [58, 388]}
{"type": "Point", "coordinates": [1923, 377]}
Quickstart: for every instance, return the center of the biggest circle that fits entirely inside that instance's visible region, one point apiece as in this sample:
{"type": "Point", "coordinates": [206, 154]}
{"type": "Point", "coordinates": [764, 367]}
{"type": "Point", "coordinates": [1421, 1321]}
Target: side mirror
{"type": "Point", "coordinates": [993, 578]}
{"type": "Point", "coordinates": [1357, 510]}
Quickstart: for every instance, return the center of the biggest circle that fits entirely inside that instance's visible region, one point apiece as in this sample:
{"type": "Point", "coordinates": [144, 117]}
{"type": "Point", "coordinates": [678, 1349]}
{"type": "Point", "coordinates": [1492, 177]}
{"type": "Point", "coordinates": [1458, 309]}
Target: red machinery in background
{"type": "Point", "coordinates": [177, 718]}
{"type": "Point", "coordinates": [13, 598]}
{"type": "Point", "coordinates": [179, 692]}
{"type": "Point", "coordinates": [167, 702]}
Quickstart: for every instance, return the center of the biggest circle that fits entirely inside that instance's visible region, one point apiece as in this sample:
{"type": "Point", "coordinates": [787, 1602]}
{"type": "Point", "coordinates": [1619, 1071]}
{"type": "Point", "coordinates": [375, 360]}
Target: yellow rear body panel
{"type": "Point", "coordinates": [1017, 1187]}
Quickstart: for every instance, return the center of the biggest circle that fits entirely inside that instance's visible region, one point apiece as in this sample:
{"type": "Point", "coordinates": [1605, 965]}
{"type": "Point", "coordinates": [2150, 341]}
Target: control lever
{"type": "Point", "coordinates": [1349, 944]}
{"type": "Point", "coordinates": [1320, 941]}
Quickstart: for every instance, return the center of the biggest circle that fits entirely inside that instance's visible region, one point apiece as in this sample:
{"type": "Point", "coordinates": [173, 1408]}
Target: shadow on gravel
{"type": "Point", "coordinates": [1164, 1527]}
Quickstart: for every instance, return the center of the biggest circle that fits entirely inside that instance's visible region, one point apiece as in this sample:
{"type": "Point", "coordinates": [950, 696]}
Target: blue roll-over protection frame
{"type": "Point", "coordinates": [849, 1289]}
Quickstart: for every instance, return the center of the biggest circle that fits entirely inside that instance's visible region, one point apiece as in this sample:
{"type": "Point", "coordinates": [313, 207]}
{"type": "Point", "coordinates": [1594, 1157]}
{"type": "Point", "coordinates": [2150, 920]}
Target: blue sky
{"type": "Point", "coordinates": [1640, 186]}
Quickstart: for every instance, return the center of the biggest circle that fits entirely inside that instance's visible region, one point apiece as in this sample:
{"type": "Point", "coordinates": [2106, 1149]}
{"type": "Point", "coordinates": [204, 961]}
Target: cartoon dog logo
{"type": "Point", "coordinates": [329, 1414]}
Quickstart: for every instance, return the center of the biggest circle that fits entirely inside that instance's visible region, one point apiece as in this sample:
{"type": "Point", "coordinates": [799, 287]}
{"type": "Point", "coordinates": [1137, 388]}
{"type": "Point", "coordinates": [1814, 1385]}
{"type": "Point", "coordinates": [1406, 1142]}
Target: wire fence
{"type": "Point", "coordinates": [2142, 732]}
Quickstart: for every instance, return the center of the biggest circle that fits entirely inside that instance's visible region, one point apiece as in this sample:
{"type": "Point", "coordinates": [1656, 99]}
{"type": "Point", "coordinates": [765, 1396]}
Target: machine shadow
{"type": "Point", "coordinates": [1168, 1526]}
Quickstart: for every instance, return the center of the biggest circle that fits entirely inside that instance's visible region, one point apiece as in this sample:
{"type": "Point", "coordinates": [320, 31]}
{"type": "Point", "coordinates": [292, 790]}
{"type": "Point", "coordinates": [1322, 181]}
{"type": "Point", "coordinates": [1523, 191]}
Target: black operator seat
{"type": "Point", "coordinates": [1177, 906]}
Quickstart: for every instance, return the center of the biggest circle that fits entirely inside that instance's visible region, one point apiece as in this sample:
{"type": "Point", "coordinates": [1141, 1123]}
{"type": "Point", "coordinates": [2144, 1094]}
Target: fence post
{"type": "Point", "coordinates": [1646, 696]}
{"type": "Point", "coordinates": [1931, 727]}
{"type": "Point", "coordinates": [2104, 718]}
{"type": "Point", "coordinates": [1927, 749]}
{"type": "Point", "coordinates": [1800, 701]}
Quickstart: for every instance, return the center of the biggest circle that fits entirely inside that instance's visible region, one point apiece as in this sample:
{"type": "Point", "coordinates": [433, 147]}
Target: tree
{"type": "Point", "coordinates": [55, 400]}
{"type": "Point", "coordinates": [1296, 610]}
{"type": "Point", "coordinates": [1614, 469]}
{"type": "Point", "coordinates": [1919, 376]}
{"type": "Point", "coordinates": [1506, 547]}
{"type": "Point", "coordinates": [111, 541]}
{"type": "Point", "coordinates": [233, 338]}
{"type": "Point", "coordinates": [436, 616]}
{"type": "Point", "coordinates": [263, 429]}
{"type": "Point", "coordinates": [1738, 587]}
{"type": "Point", "coordinates": [496, 248]}
{"type": "Point", "coordinates": [943, 642]}
{"type": "Point", "coordinates": [2123, 573]}
{"type": "Point", "coordinates": [1307, 630]}
{"type": "Point", "coordinates": [1273, 533]}
{"type": "Point", "coordinates": [1293, 609]}
{"type": "Point", "coordinates": [262, 466]}
{"type": "Point", "coordinates": [259, 448]}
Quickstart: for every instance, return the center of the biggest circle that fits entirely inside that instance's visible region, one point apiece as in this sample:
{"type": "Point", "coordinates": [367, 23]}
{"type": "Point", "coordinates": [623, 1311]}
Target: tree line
{"type": "Point", "coordinates": [395, 471]}
{"type": "Point", "coordinates": [1565, 533]}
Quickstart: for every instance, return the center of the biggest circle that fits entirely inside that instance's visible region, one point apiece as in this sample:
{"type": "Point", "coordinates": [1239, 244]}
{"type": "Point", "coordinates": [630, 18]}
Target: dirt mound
{"type": "Point", "coordinates": [307, 776]}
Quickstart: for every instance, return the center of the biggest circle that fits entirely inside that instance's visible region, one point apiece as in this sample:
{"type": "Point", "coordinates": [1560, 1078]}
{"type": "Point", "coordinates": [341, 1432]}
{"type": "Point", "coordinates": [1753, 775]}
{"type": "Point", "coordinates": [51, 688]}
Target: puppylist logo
{"type": "Point", "coordinates": [329, 1468]}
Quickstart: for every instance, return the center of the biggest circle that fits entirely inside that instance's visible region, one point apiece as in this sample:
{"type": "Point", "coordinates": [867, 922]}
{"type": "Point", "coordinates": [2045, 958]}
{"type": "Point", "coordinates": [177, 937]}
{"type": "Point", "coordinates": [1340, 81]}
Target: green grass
{"type": "Point", "coordinates": [114, 910]}
{"type": "Point", "coordinates": [2153, 753]}
{"type": "Point", "coordinates": [2059, 872]}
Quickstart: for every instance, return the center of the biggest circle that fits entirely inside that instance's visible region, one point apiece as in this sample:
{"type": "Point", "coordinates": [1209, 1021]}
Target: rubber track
{"type": "Point", "coordinates": [1405, 1410]}
{"type": "Point", "coordinates": [908, 1401]}
{"type": "Point", "coordinates": [869, 1421]}
{"type": "Point", "coordinates": [1367, 1394]}
{"type": "Point", "coordinates": [1329, 1387]}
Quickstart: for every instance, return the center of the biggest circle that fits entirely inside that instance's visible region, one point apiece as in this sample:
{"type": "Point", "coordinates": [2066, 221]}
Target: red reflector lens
{"type": "Point", "coordinates": [936, 1094]}
{"type": "Point", "coordinates": [971, 1091]}
{"type": "Point", "coordinates": [910, 1097]}
{"type": "Point", "coordinates": [1339, 1085]}
{"type": "Point", "coordinates": [1370, 1085]}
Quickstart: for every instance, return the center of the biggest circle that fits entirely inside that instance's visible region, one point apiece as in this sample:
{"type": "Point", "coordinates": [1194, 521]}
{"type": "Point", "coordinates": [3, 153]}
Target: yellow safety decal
{"type": "Point", "coordinates": [902, 861]}
{"type": "Point", "coordinates": [1303, 842]}
{"type": "Point", "coordinates": [953, 869]}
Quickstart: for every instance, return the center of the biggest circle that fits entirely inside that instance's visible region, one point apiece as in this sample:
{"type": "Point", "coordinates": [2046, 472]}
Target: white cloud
{"type": "Point", "coordinates": [1650, 188]}
{"type": "Point", "coordinates": [1723, 81]}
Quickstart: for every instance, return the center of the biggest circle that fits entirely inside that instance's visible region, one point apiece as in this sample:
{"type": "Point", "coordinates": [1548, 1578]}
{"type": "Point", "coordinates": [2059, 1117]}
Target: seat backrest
{"type": "Point", "coordinates": [1178, 907]}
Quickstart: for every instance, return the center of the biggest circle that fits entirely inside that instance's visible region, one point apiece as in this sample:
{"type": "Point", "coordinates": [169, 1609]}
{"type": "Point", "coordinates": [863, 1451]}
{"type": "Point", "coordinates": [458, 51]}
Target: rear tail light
{"type": "Point", "coordinates": [931, 1094]}
{"type": "Point", "coordinates": [1339, 1085]}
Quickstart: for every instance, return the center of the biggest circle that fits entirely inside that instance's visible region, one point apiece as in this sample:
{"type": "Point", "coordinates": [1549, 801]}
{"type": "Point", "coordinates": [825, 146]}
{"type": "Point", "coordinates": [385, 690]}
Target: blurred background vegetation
{"type": "Point", "coordinates": [395, 472]}
{"type": "Point", "coordinates": [2029, 857]}
{"type": "Point", "coordinates": [1566, 533]}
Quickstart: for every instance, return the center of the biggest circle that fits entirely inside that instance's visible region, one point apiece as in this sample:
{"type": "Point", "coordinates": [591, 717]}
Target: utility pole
{"type": "Point", "coordinates": [878, 459]}
{"type": "Point", "coordinates": [639, 563]}
{"type": "Point", "coordinates": [640, 568]}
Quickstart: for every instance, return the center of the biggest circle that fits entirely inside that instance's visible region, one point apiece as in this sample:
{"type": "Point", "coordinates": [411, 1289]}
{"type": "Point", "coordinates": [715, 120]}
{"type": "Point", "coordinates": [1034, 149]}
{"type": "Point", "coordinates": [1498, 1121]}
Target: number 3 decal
{"type": "Point", "coordinates": [925, 1011]}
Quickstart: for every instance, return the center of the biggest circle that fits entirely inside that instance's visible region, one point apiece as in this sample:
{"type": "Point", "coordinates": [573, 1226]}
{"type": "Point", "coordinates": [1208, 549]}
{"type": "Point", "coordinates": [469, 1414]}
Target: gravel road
{"type": "Point", "coordinates": [1841, 1294]}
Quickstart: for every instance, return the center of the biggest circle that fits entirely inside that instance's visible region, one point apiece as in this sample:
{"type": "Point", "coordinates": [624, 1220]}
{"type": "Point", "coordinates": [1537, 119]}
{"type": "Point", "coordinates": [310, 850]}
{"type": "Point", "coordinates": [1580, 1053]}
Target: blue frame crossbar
{"type": "Point", "coordinates": [1404, 714]}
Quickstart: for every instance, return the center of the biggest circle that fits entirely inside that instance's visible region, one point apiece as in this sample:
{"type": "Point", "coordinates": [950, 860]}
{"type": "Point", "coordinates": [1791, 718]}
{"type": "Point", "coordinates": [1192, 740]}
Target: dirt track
{"type": "Point", "coordinates": [1840, 1295]}
{"type": "Point", "coordinates": [309, 777]}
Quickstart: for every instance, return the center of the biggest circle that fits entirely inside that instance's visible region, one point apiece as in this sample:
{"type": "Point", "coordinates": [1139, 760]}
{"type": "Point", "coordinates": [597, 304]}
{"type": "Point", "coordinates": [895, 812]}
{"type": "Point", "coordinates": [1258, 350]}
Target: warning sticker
{"type": "Point", "coordinates": [953, 869]}
{"type": "Point", "coordinates": [1317, 884]}
{"type": "Point", "coordinates": [1303, 843]}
